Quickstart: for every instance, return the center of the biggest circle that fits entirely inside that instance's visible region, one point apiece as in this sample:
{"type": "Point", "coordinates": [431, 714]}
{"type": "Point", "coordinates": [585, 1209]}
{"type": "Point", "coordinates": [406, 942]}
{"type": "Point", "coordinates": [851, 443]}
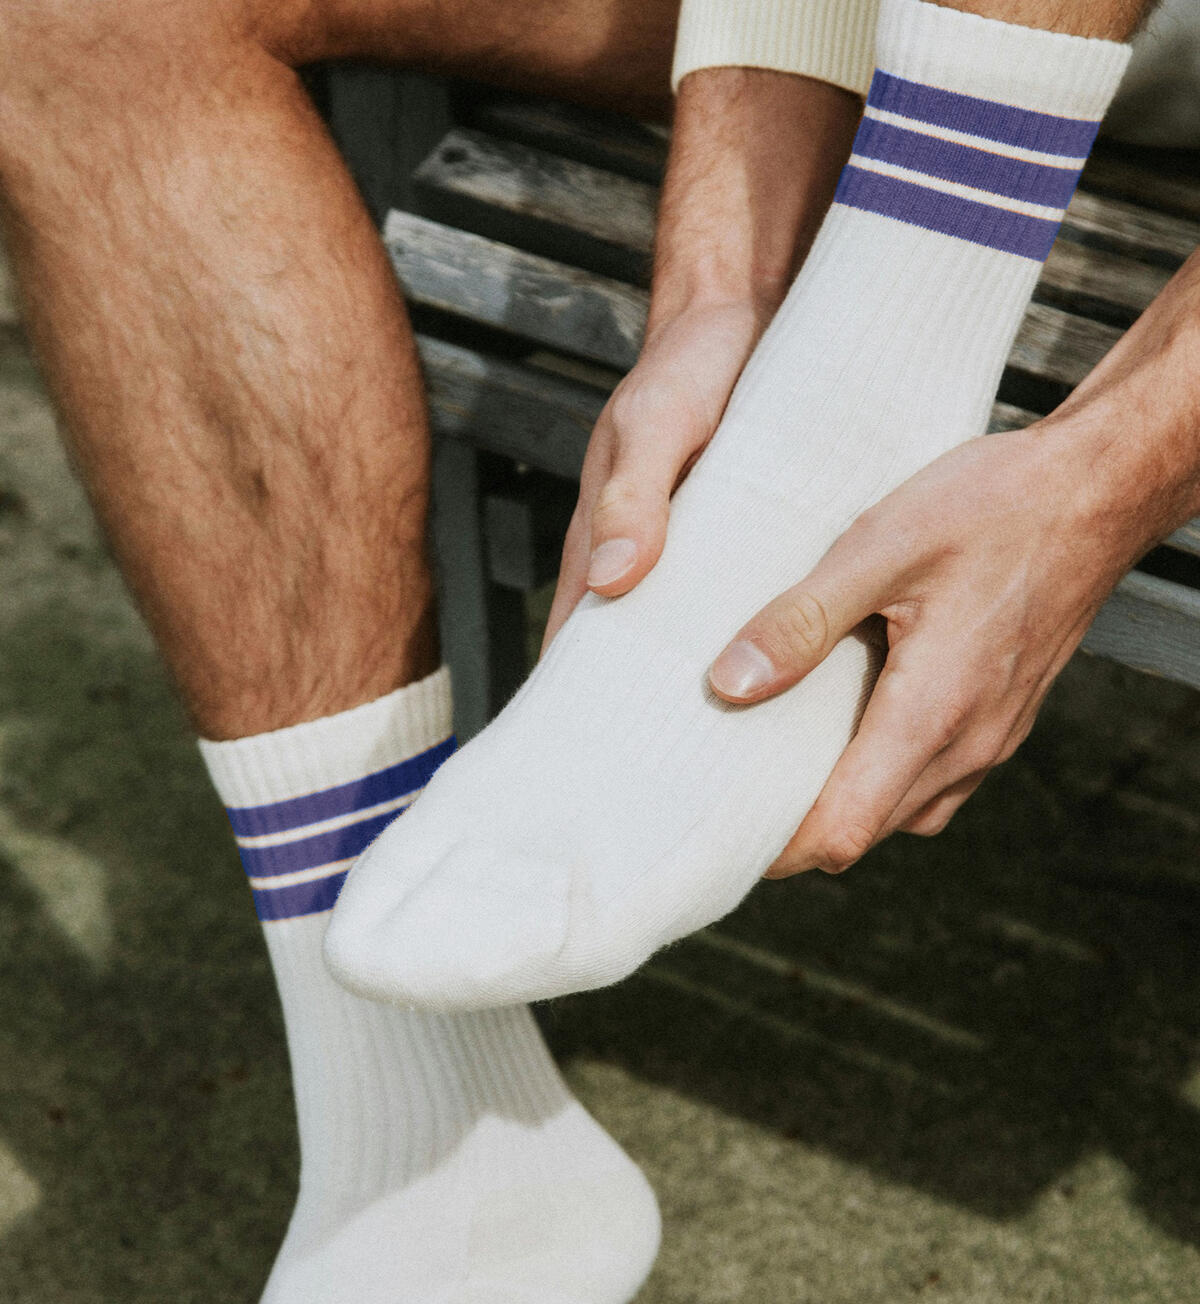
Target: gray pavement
{"type": "Point", "coordinates": [968, 1071]}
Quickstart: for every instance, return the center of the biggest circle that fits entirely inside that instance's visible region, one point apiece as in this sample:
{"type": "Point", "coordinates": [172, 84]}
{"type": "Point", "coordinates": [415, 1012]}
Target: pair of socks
{"type": "Point", "coordinates": [616, 804]}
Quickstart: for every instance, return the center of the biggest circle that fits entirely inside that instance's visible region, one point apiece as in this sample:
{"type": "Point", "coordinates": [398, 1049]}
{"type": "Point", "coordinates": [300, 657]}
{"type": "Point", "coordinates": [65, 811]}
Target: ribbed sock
{"type": "Point", "coordinates": [443, 1160]}
{"type": "Point", "coordinates": [616, 805]}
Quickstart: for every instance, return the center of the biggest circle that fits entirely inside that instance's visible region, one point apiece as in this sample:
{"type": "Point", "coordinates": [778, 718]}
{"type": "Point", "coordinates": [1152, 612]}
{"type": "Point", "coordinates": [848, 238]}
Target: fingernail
{"type": "Point", "coordinates": [609, 561]}
{"type": "Point", "coordinates": [742, 669]}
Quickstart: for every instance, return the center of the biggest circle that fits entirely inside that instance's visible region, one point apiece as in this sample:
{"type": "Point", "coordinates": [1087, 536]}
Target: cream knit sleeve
{"type": "Point", "coordinates": [830, 40]}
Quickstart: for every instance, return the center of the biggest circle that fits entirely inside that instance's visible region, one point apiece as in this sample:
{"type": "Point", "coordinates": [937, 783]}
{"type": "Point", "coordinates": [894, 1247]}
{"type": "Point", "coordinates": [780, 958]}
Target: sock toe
{"type": "Point", "coordinates": [484, 927]}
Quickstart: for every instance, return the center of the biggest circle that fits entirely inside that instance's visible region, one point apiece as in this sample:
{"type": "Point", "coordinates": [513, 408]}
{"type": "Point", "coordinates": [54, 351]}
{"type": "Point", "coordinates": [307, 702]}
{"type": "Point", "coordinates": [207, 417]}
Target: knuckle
{"type": "Point", "coordinates": [615, 500]}
{"type": "Point", "coordinates": [850, 843]}
{"type": "Point", "coordinates": [799, 624]}
{"type": "Point", "coordinates": [931, 825]}
{"type": "Point", "coordinates": [982, 753]}
{"type": "Point", "coordinates": [632, 408]}
{"type": "Point", "coordinates": [949, 721]}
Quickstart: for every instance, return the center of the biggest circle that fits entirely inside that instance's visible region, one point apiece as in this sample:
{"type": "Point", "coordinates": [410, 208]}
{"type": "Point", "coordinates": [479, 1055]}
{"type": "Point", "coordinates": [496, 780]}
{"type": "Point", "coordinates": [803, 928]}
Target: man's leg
{"type": "Point", "coordinates": [238, 384]}
{"type": "Point", "coordinates": [222, 332]}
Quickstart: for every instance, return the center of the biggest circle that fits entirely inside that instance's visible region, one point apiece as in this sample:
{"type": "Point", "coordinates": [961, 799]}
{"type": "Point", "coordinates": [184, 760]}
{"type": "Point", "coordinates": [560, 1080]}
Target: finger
{"type": "Point", "coordinates": [933, 817]}
{"type": "Point", "coordinates": [957, 772]}
{"type": "Point", "coordinates": [572, 570]}
{"type": "Point", "coordinates": [572, 577]}
{"type": "Point", "coordinates": [796, 631]}
{"type": "Point", "coordinates": [957, 765]}
{"type": "Point", "coordinates": [908, 723]}
{"type": "Point", "coordinates": [630, 511]}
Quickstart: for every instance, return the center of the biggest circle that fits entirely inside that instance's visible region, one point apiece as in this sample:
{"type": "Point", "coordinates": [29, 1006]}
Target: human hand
{"type": "Point", "coordinates": [653, 427]}
{"type": "Point", "coordinates": [755, 156]}
{"type": "Point", "coordinates": [987, 568]}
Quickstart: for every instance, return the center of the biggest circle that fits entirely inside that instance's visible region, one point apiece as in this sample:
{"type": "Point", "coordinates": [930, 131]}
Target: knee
{"type": "Point", "coordinates": [60, 56]}
{"type": "Point", "coordinates": [57, 57]}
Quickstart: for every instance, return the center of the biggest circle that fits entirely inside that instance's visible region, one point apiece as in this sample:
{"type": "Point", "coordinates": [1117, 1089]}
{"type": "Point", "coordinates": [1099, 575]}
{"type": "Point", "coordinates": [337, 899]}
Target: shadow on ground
{"type": "Point", "coordinates": [966, 1017]}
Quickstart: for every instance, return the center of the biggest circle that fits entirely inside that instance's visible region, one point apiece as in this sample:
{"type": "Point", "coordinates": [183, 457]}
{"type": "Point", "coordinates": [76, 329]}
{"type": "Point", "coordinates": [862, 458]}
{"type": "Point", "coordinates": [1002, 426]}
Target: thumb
{"type": "Point", "coordinates": [631, 509]}
{"type": "Point", "coordinates": [797, 630]}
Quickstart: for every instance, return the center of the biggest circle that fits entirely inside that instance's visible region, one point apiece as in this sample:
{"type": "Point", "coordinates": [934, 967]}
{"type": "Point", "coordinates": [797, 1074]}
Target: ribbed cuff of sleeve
{"type": "Point", "coordinates": [828, 40]}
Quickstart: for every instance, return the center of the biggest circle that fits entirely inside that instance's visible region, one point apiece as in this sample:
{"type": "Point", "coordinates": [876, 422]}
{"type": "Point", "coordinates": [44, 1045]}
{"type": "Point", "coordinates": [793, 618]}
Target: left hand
{"type": "Point", "coordinates": [987, 566]}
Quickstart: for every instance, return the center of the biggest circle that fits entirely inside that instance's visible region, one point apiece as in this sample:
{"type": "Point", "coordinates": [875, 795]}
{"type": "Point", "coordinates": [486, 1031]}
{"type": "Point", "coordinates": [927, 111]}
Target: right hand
{"type": "Point", "coordinates": [650, 433]}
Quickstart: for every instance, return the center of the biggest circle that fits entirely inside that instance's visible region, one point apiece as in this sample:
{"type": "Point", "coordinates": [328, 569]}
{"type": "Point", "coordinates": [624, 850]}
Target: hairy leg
{"type": "Point", "coordinates": [218, 323]}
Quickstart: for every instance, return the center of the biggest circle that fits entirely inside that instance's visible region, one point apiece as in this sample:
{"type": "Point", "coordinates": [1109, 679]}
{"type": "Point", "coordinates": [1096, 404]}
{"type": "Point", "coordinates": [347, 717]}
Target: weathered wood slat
{"type": "Point", "coordinates": [602, 319]}
{"type": "Point", "coordinates": [536, 185]}
{"type": "Point", "coordinates": [1006, 416]}
{"type": "Point", "coordinates": [1153, 625]}
{"type": "Point", "coordinates": [1186, 538]}
{"type": "Point", "coordinates": [1087, 280]}
{"type": "Point", "coordinates": [503, 407]}
{"type": "Point", "coordinates": [1058, 346]}
{"type": "Point", "coordinates": [1140, 233]}
{"type": "Point", "coordinates": [524, 182]}
{"type": "Point", "coordinates": [1171, 184]}
{"type": "Point", "coordinates": [536, 417]}
{"type": "Point", "coordinates": [605, 140]}
{"type": "Point", "coordinates": [537, 298]}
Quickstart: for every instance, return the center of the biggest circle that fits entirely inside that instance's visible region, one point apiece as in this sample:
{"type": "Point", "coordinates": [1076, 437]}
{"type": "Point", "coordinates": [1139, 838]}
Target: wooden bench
{"type": "Point", "coordinates": [524, 248]}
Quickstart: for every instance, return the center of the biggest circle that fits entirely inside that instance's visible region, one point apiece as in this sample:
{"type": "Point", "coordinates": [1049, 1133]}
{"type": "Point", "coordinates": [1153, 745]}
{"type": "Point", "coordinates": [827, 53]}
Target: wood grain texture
{"type": "Point", "coordinates": [605, 140]}
{"type": "Point", "coordinates": [1170, 183]}
{"type": "Point", "coordinates": [1153, 625]}
{"type": "Point", "coordinates": [530, 416]}
{"type": "Point", "coordinates": [1140, 233]}
{"type": "Point", "coordinates": [534, 184]}
{"type": "Point", "coordinates": [602, 318]}
{"type": "Point", "coordinates": [1114, 257]}
{"type": "Point", "coordinates": [544, 421]}
{"type": "Point", "coordinates": [497, 285]}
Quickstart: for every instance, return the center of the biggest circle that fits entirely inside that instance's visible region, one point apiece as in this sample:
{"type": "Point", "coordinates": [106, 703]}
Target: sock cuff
{"type": "Point", "coordinates": [305, 801]}
{"type": "Point", "coordinates": [300, 759]}
{"type": "Point", "coordinates": [1073, 77]}
{"type": "Point", "coordinates": [828, 40]}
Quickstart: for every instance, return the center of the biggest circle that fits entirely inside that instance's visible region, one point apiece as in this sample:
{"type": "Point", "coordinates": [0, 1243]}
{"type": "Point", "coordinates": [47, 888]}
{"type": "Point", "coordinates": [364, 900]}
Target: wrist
{"type": "Point", "coordinates": [755, 157]}
{"type": "Point", "coordinates": [1134, 423]}
{"type": "Point", "coordinates": [706, 286]}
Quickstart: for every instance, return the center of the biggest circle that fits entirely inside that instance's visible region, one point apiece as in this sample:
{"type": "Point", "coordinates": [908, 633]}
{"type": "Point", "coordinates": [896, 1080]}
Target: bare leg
{"type": "Point", "coordinates": [218, 323]}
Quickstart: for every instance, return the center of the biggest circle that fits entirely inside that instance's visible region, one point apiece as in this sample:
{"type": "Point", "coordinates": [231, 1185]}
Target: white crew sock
{"type": "Point", "coordinates": [443, 1160]}
{"type": "Point", "coordinates": [616, 804]}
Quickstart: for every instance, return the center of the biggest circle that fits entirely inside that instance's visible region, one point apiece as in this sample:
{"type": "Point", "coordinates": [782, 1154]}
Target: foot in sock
{"type": "Point", "coordinates": [616, 805]}
{"type": "Point", "coordinates": [443, 1160]}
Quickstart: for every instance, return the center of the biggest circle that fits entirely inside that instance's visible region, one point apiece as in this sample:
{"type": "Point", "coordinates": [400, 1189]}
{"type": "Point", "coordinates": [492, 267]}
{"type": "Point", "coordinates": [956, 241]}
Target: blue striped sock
{"type": "Point", "coordinates": [992, 173]}
{"type": "Point", "coordinates": [441, 1156]}
{"type": "Point", "coordinates": [296, 852]}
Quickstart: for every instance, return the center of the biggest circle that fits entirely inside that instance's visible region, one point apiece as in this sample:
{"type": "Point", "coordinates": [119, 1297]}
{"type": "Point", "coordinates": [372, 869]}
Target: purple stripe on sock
{"type": "Point", "coordinates": [300, 899]}
{"type": "Point", "coordinates": [370, 790]}
{"type": "Point", "coordinates": [1013, 233]}
{"type": "Point", "coordinates": [322, 849]}
{"type": "Point", "coordinates": [1032, 182]}
{"type": "Point", "coordinates": [978, 117]}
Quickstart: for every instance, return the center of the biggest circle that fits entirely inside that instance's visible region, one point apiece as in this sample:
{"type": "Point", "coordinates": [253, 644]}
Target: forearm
{"type": "Point", "coordinates": [1137, 416]}
{"type": "Point", "coordinates": [755, 157]}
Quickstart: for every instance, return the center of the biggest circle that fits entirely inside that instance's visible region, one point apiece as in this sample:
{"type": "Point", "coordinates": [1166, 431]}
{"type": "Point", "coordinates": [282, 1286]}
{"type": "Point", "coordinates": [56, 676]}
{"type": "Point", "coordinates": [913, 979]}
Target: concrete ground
{"type": "Point", "coordinates": [967, 1071]}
